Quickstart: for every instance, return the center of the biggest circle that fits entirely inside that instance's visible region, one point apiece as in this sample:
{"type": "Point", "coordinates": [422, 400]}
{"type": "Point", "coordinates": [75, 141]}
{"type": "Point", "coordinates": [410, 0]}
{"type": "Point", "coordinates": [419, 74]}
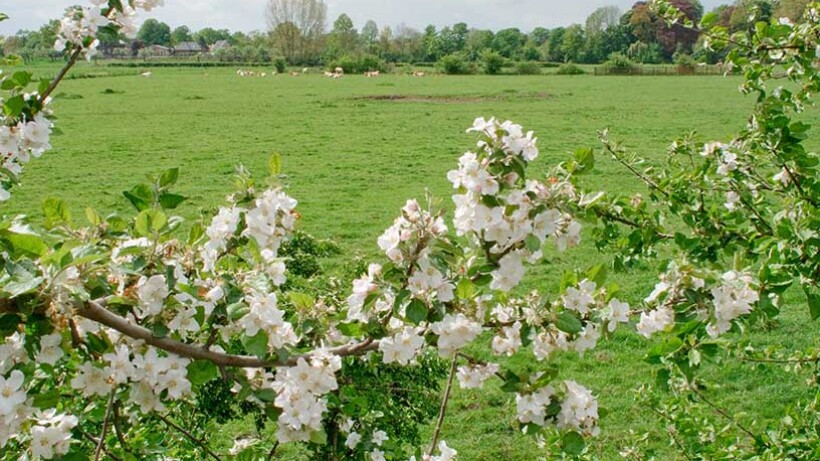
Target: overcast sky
{"type": "Point", "coordinates": [248, 15]}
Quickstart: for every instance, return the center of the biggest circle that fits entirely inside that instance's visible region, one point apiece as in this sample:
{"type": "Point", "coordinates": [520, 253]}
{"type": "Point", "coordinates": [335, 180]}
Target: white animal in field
{"type": "Point", "coordinates": [418, 74]}
{"type": "Point", "coordinates": [263, 74]}
{"type": "Point", "coordinates": [295, 74]}
{"type": "Point", "coordinates": [329, 74]}
{"type": "Point", "coordinates": [305, 70]}
{"type": "Point", "coordinates": [374, 73]}
{"type": "Point", "coordinates": [146, 74]}
{"type": "Point", "coordinates": [339, 71]}
{"type": "Point", "coordinates": [335, 75]}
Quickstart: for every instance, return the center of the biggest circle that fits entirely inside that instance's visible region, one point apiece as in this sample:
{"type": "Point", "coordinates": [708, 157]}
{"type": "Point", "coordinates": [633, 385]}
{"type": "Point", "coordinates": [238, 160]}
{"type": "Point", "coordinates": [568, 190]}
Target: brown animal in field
{"type": "Point", "coordinates": [295, 74]}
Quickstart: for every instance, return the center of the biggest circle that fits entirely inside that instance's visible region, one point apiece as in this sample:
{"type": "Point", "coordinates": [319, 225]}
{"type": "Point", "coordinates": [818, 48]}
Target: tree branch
{"type": "Point", "coordinates": [94, 310]}
{"type": "Point", "coordinates": [446, 400]}
{"type": "Point", "coordinates": [101, 442]}
{"type": "Point", "coordinates": [95, 441]}
{"type": "Point", "coordinates": [75, 56]}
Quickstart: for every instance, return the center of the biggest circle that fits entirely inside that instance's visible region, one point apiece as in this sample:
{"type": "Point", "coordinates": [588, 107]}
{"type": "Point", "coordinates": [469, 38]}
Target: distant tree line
{"type": "Point", "coordinates": [298, 34]}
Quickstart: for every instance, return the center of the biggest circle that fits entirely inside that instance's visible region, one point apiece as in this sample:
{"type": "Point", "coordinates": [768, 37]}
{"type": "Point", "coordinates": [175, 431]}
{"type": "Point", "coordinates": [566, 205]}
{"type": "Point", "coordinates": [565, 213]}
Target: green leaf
{"type": "Point", "coordinates": [169, 177]}
{"type": "Point", "coordinates": [22, 78]}
{"type": "Point", "coordinates": [56, 212]}
{"type": "Point", "coordinates": [93, 217]}
{"type": "Point", "coordinates": [150, 221]}
{"type": "Point", "coordinates": [46, 400]}
{"type": "Point", "coordinates": [140, 196]}
{"type": "Point", "coordinates": [465, 289]}
{"type": "Point", "coordinates": [9, 323]}
{"type": "Point", "coordinates": [302, 301]}
{"type": "Point", "coordinates": [709, 20]}
{"type": "Point", "coordinates": [668, 346]}
{"type": "Point", "coordinates": [417, 311]}
{"type": "Point", "coordinates": [256, 345]}
{"type": "Point", "coordinates": [170, 201]}
{"type": "Point", "coordinates": [3, 16]}
{"type": "Point", "coordinates": [201, 371]}
{"type": "Point", "coordinates": [354, 330]}
{"type": "Point", "coordinates": [318, 437]}
{"type": "Point", "coordinates": [275, 164]}
{"type": "Point", "coordinates": [27, 244]}
{"type": "Point", "coordinates": [568, 323]}
{"type": "Point", "coordinates": [573, 443]}
{"type": "Point", "coordinates": [814, 303]}
{"type": "Point", "coordinates": [584, 161]}
{"type": "Point", "coordinates": [14, 106]}
{"type": "Point", "coordinates": [598, 274]}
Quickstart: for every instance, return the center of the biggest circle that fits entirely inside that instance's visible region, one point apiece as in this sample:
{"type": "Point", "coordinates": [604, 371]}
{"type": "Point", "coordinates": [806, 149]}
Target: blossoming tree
{"type": "Point", "coordinates": [116, 324]}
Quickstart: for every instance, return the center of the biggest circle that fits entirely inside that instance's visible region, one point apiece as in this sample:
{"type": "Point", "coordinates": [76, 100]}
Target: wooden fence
{"type": "Point", "coordinates": [660, 70]}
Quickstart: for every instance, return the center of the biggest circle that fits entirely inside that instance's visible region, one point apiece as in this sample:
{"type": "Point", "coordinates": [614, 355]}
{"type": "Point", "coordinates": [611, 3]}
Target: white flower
{"type": "Point", "coordinates": [184, 322]}
{"type": "Point", "coordinates": [579, 411]}
{"type": "Point", "coordinates": [353, 440]}
{"type": "Point", "coordinates": [445, 453]}
{"type": "Point", "coordinates": [379, 437]}
{"type": "Point", "coordinates": [91, 381]}
{"type": "Point", "coordinates": [119, 364]}
{"type": "Point", "coordinates": [509, 273]}
{"type": "Point", "coordinates": [616, 312]}
{"type": "Point", "coordinates": [509, 341]}
{"type": "Point", "coordinates": [12, 393]}
{"type": "Point", "coordinates": [240, 445]}
{"type": "Point", "coordinates": [377, 455]}
{"type": "Point", "coordinates": [474, 376]}
{"type": "Point", "coordinates": [732, 199]}
{"type": "Point", "coordinates": [50, 349]}
{"type": "Point", "coordinates": [152, 293]}
{"type": "Point", "coordinates": [582, 298]}
{"type": "Point", "coordinates": [532, 408]}
{"type": "Point", "coordinates": [655, 321]}
{"type": "Point", "coordinates": [734, 298]}
{"type": "Point", "coordinates": [402, 347]}
{"type": "Point", "coordinates": [454, 333]}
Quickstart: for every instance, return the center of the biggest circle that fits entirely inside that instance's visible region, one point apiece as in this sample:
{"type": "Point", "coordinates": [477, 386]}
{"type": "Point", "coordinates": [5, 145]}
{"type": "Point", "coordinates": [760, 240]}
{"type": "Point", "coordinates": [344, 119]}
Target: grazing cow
{"type": "Point", "coordinates": [335, 75]}
{"type": "Point", "coordinates": [328, 74]}
{"type": "Point", "coordinates": [146, 74]}
{"type": "Point", "coordinates": [418, 74]}
{"type": "Point", "coordinates": [339, 71]}
{"type": "Point", "coordinates": [263, 74]}
{"type": "Point", "coordinates": [374, 73]}
{"type": "Point", "coordinates": [305, 70]}
{"type": "Point", "coordinates": [295, 74]}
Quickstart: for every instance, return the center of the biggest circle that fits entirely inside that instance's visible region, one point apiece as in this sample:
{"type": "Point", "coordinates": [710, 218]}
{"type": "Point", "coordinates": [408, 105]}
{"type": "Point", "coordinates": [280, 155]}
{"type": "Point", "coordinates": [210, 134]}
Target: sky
{"type": "Point", "coordinates": [248, 15]}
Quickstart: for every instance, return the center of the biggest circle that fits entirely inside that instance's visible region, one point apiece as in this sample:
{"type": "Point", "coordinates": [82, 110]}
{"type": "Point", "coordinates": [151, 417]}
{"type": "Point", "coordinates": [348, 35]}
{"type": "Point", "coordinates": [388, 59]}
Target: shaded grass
{"type": "Point", "coordinates": [355, 149]}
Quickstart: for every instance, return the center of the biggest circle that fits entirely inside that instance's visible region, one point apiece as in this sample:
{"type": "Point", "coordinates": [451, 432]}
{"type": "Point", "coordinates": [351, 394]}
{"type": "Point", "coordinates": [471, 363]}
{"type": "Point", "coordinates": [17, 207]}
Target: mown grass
{"type": "Point", "coordinates": [355, 149]}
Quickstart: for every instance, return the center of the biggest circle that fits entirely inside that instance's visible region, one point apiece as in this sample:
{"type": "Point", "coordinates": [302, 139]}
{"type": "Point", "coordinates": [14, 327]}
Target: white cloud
{"type": "Point", "coordinates": [247, 15]}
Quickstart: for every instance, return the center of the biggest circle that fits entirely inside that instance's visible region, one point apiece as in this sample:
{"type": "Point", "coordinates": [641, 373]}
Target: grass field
{"type": "Point", "coordinates": [355, 149]}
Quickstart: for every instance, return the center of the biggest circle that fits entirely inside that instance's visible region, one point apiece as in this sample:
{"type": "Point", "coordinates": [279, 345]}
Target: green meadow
{"type": "Point", "coordinates": [355, 149]}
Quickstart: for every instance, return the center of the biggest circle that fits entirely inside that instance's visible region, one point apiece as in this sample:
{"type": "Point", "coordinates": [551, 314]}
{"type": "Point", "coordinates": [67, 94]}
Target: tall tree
{"type": "Point", "coordinates": [602, 18]}
{"type": "Point", "coordinates": [539, 35]}
{"type": "Point", "coordinates": [573, 43]}
{"type": "Point", "coordinates": [343, 38]}
{"type": "Point", "coordinates": [509, 42]}
{"type": "Point", "coordinates": [297, 27]}
{"type": "Point", "coordinates": [154, 32]}
{"type": "Point", "coordinates": [370, 36]}
{"type": "Point", "coordinates": [181, 34]}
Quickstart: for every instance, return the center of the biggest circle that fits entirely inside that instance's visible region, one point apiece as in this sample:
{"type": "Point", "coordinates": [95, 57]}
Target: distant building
{"type": "Point", "coordinates": [187, 49]}
{"type": "Point", "coordinates": [220, 45]}
{"type": "Point", "coordinates": [156, 51]}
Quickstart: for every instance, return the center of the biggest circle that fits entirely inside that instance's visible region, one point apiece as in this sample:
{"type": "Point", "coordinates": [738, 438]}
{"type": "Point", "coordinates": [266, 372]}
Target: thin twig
{"type": "Point", "coordinates": [721, 411]}
{"type": "Point", "coordinates": [108, 410]}
{"type": "Point", "coordinates": [444, 401]}
{"type": "Point", "coordinates": [95, 441]}
{"type": "Point", "coordinates": [634, 171]}
{"type": "Point", "coordinates": [118, 428]}
{"type": "Point", "coordinates": [678, 443]}
{"type": "Point", "coordinates": [189, 436]}
{"type": "Point", "coordinates": [75, 56]}
{"type": "Point", "coordinates": [782, 361]}
{"type": "Point", "coordinates": [273, 450]}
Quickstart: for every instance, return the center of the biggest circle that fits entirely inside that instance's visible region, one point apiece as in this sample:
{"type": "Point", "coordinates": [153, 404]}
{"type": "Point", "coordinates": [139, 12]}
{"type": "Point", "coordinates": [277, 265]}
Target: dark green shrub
{"type": "Point", "coordinates": [620, 63]}
{"type": "Point", "coordinates": [528, 68]}
{"type": "Point", "coordinates": [359, 64]}
{"type": "Point", "coordinates": [491, 61]}
{"type": "Point", "coordinates": [570, 69]}
{"type": "Point", "coordinates": [280, 64]}
{"type": "Point", "coordinates": [455, 64]}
